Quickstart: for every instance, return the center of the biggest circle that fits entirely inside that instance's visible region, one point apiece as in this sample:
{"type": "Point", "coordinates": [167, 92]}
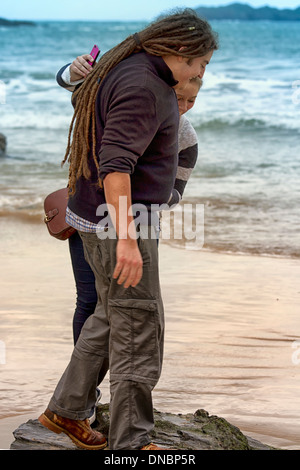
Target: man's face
{"type": "Point", "coordinates": [184, 69]}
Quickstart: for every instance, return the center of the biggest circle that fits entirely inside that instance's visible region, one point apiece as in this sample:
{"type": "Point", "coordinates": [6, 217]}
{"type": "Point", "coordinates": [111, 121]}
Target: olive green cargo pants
{"type": "Point", "coordinates": [128, 328]}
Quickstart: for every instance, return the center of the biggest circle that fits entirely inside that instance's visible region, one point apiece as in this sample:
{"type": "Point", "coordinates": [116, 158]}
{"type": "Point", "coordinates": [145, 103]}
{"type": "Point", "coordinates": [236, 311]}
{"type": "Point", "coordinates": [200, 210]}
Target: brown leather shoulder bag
{"type": "Point", "coordinates": [55, 206]}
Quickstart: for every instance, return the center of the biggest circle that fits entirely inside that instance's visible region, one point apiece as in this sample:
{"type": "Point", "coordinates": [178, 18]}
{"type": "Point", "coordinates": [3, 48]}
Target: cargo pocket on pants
{"type": "Point", "coordinates": [134, 338]}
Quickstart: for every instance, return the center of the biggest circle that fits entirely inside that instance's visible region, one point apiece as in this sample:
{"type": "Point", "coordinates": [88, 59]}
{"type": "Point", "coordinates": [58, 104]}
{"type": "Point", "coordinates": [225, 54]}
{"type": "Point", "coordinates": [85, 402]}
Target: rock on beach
{"type": "Point", "coordinates": [195, 431]}
{"type": "Point", "coordinates": [2, 145]}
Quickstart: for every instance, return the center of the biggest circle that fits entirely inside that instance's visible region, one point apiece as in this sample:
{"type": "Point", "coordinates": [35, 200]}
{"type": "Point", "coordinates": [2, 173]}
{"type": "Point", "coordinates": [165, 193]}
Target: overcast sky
{"type": "Point", "coordinates": [112, 10]}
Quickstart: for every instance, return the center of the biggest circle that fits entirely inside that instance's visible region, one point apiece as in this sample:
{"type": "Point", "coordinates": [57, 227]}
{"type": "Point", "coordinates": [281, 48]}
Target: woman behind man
{"type": "Point", "coordinates": [69, 77]}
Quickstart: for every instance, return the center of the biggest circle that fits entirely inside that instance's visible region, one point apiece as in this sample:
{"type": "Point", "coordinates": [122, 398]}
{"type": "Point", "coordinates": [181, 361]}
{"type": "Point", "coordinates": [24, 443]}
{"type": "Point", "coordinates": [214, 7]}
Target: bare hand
{"type": "Point", "coordinates": [80, 67]}
{"type": "Point", "coordinates": [129, 267]}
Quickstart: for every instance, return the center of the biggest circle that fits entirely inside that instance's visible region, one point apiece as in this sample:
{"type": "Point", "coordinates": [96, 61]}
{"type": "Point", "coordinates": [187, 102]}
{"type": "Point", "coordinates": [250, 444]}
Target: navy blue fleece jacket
{"type": "Point", "coordinates": [137, 133]}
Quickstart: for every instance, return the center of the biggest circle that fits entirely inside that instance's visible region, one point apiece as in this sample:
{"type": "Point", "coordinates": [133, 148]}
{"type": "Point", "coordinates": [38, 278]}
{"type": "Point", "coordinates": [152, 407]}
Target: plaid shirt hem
{"type": "Point", "coordinates": [79, 223]}
{"type": "Point", "coordinates": [84, 225]}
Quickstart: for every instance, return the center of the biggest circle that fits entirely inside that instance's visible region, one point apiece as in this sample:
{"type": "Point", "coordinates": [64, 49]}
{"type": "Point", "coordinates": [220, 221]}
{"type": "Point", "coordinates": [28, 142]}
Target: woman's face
{"type": "Point", "coordinates": [186, 96]}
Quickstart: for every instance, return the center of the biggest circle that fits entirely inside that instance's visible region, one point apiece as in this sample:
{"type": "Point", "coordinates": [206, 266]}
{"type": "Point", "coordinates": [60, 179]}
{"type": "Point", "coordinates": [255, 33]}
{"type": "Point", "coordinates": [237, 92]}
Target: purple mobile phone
{"type": "Point", "coordinates": [94, 53]}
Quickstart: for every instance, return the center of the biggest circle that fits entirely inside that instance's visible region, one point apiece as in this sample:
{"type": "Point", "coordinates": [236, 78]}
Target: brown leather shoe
{"type": "Point", "coordinates": [79, 431]}
{"type": "Point", "coordinates": [152, 446]}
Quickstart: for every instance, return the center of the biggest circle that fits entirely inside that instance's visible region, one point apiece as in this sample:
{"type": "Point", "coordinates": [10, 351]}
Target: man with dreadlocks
{"type": "Point", "coordinates": [123, 153]}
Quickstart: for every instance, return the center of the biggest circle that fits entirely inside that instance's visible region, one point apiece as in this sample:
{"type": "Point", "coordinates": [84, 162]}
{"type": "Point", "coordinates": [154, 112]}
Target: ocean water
{"type": "Point", "coordinates": [247, 117]}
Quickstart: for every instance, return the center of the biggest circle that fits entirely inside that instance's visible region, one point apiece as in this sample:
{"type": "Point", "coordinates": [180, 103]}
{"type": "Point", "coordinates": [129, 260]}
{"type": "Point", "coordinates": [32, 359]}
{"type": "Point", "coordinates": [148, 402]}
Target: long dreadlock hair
{"type": "Point", "coordinates": [182, 33]}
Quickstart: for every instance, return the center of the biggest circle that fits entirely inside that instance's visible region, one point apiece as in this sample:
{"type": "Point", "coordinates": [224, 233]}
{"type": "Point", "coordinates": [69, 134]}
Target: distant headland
{"type": "Point", "coordinates": [4, 22]}
{"type": "Point", "coordinates": [232, 11]}
{"type": "Point", "coordinates": [244, 12]}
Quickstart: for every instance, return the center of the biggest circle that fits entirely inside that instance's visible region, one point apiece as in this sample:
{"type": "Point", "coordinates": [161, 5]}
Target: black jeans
{"type": "Point", "coordinates": [86, 293]}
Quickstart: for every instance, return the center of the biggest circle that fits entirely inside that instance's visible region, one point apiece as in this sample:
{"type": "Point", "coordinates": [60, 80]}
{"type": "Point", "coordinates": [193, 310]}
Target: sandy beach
{"type": "Point", "coordinates": [231, 346]}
